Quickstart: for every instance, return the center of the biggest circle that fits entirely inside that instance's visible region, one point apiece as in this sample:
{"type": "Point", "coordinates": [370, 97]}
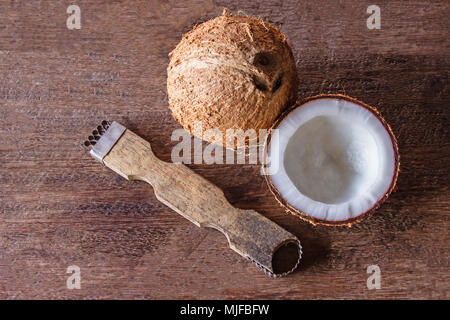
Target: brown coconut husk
{"type": "Point", "coordinates": [231, 72]}
{"type": "Point", "coordinates": [303, 215]}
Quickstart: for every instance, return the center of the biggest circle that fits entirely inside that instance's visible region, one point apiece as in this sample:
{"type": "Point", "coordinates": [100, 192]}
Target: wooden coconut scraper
{"type": "Point", "coordinates": [249, 233]}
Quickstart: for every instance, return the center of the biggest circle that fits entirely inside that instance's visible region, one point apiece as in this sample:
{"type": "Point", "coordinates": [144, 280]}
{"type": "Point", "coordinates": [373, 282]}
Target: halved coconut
{"type": "Point", "coordinates": [332, 160]}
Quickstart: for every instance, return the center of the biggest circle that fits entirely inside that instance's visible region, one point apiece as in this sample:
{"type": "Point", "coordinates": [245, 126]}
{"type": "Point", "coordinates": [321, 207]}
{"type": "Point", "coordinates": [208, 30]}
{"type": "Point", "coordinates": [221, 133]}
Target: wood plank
{"type": "Point", "coordinates": [58, 207]}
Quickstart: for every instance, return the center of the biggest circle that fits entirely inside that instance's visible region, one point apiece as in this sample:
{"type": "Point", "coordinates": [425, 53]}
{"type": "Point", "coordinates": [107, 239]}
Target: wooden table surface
{"type": "Point", "coordinates": [59, 207]}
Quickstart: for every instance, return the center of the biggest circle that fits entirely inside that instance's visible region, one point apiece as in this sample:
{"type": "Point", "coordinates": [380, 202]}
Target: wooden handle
{"type": "Point", "coordinates": [248, 233]}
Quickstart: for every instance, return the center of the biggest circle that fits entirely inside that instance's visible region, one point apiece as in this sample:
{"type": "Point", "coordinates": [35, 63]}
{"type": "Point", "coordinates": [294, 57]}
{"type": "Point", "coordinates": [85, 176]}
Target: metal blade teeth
{"type": "Point", "coordinates": [97, 133]}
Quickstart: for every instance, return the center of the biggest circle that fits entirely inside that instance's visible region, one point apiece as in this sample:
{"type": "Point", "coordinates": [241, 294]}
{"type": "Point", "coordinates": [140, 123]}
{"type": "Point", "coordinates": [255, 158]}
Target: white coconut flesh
{"type": "Point", "coordinates": [333, 159]}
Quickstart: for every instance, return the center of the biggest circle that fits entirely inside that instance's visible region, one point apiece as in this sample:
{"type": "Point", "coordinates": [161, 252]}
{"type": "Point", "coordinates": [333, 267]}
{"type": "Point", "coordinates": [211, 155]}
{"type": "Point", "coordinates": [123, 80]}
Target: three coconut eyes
{"type": "Point", "coordinates": [264, 60]}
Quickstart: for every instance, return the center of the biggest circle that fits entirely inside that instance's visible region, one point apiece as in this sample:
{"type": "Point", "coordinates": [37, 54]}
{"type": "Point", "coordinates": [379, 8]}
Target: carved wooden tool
{"type": "Point", "coordinates": [249, 233]}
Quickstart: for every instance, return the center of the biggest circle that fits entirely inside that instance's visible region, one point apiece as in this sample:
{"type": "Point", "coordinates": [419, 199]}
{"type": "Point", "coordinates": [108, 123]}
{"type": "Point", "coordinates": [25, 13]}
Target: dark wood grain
{"type": "Point", "coordinates": [58, 207]}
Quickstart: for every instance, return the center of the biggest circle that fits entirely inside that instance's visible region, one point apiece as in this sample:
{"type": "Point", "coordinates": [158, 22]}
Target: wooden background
{"type": "Point", "coordinates": [58, 207]}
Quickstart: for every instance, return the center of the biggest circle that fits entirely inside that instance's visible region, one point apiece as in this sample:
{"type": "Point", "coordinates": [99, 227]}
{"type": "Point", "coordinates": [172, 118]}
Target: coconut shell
{"type": "Point", "coordinates": [305, 216]}
{"type": "Point", "coordinates": [231, 72]}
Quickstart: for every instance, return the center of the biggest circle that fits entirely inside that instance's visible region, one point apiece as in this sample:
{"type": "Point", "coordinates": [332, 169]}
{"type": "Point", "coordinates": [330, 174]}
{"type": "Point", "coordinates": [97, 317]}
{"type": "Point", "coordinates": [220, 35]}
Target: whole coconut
{"type": "Point", "coordinates": [232, 72]}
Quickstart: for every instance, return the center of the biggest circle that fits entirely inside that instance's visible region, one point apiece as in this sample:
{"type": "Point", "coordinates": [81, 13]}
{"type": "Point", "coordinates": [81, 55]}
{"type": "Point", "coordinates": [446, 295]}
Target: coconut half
{"type": "Point", "coordinates": [332, 160]}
